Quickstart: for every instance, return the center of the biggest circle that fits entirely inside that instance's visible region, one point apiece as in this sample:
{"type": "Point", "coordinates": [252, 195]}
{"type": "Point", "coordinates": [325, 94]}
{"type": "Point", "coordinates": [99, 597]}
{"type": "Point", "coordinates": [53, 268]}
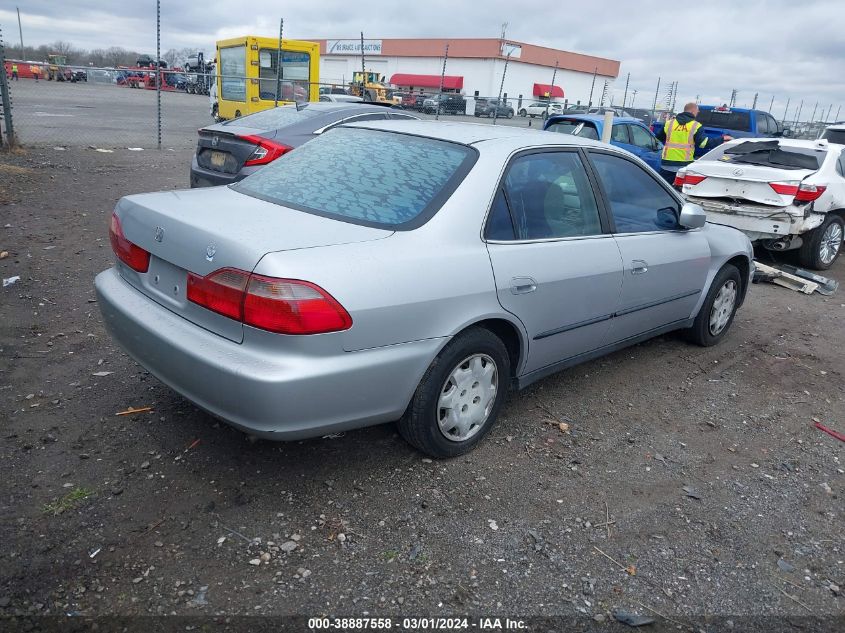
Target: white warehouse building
{"type": "Point", "coordinates": [474, 67]}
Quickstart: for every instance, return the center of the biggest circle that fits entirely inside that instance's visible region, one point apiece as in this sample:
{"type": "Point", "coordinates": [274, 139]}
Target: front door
{"type": "Point", "coordinates": [665, 266]}
{"type": "Point", "coordinates": [556, 267]}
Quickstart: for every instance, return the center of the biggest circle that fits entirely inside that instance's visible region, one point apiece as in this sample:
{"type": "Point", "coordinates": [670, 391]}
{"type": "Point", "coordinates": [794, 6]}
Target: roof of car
{"type": "Point", "coordinates": [836, 126]}
{"type": "Point", "coordinates": [596, 118]}
{"type": "Point", "coordinates": [471, 133]}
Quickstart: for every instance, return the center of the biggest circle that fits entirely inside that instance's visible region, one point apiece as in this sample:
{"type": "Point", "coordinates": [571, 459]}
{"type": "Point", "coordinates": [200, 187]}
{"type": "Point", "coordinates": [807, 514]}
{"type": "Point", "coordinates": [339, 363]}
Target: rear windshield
{"type": "Point", "coordinates": [576, 128]}
{"type": "Point", "coordinates": [769, 154]}
{"type": "Point", "coordinates": [275, 118]}
{"type": "Point", "coordinates": [729, 120]}
{"type": "Point", "coordinates": [835, 136]}
{"type": "Point", "coordinates": [364, 176]}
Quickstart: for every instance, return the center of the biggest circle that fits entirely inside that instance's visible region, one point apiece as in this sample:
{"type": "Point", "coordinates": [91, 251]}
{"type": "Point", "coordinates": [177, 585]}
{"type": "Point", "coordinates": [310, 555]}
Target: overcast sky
{"type": "Point", "coordinates": [783, 48]}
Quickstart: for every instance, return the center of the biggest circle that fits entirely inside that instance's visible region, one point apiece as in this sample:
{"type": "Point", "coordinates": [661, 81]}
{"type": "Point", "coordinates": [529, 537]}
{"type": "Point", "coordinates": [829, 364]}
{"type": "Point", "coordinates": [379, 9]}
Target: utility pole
{"type": "Point", "coordinates": [590, 101]}
{"type": "Point", "coordinates": [502, 85]}
{"type": "Point", "coordinates": [363, 68]}
{"type": "Point", "coordinates": [786, 110]}
{"type": "Point", "coordinates": [754, 103]}
{"type": "Point", "coordinates": [771, 104]}
{"type": "Point", "coordinates": [827, 118]}
{"type": "Point", "coordinates": [625, 95]}
{"type": "Point", "coordinates": [654, 105]}
{"type": "Point", "coordinates": [798, 116]}
{"type": "Point", "coordinates": [158, 68]}
{"type": "Point", "coordinates": [20, 30]}
{"type": "Point", "coordinates": [603, 93]}
{"type": "Point", "coordinates": [813, 118]}
{"type": "Point", "coordinates": [279, 60]}
{"type": "Point", "coordinates": [442, 76]}
{"type": "Point", "coordinates": [733, 98]}
{"type": "Point", "coordinates": [551, 92]}
{"type": "Point", "coordinates": [674, 96]}
{"type": "Point", "coordinates": [633, 97]}
{"type": "Point", "coordinates": [838, 110]}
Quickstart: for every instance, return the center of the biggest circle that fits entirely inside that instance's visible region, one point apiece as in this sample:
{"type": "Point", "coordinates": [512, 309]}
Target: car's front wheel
{"type": "Point", "coordinates": [822, 245]}
{"type": "Point", "coordinates": [717, 312]}
{"type": "Point", "coordinates": [510, 114]}
{"type": "Point", "coordinates": [460, 395]}
{"type": "Point", "coordinates": [523, 112]}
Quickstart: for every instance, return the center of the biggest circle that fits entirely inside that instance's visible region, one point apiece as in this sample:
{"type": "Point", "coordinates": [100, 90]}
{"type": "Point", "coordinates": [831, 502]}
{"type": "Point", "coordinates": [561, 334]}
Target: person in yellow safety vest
{"type": "Point", "coordinates": [680, 136]}
{"type": "Point", "coordinates": [15, 72]}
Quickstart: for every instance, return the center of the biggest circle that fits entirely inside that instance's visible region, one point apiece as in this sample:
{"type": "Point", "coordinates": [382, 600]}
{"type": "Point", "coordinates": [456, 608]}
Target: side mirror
{"type": "Point", "coordinates": [787, 133]}
{"type": "Point", "coordinates": [692, 216]}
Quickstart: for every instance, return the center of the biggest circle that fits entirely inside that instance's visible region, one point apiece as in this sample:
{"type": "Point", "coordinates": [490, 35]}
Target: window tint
{"type": "Point", "coordinates": [641, 138]}
{"type": "Point", "coordinates": [762, 125]}
{"type": "Point", "coordinates": [619, 133]}
{"type": "Point", "coordinates": [637, 201]}
{"type": "Point", "coordinates": [499, 224]}
{"type": "Point", "coordinates": [834, 136]}
{"type": "Point", "coordinates": [548, 196]}
{"type": "Point", "coordinates": [397, 178]}
{"type": "Point", "coordinates": [840, 165]}
{"type": "Point", "coordinates": [727, 119]}
{"type": "Point", "coordinates": [774, 128]}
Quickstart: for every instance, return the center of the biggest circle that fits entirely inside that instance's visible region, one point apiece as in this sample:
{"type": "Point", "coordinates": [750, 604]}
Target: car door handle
{"type": "Point", "coordinates": [523, 285]}
{"type": "Point", "coordinates": [638, 267]}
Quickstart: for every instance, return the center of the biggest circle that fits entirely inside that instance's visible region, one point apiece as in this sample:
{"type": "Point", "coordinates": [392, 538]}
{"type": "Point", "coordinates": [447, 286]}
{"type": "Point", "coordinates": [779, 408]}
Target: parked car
{"type": "Point", "coordinates": [834, 134]}
{"type": "Point", "coordinates": [445, 103]}
{"type": "Point", "coordinates": [493, 107]}
{"type": "Point", "coordinates": [736, 122]}
{"type": "Point", "coordinates": [337, 98]}
{"type": "Point", "coordinates": [321, 294]}
{"type": "Point", "coordinates": [628, 133]}
{"type": "Point", "coordinates": [783, 193]}
{"type": "Point", "coordinates": [78, 74]}
{"type": "Point", "coordinates": [605, 109]}
{"type": "Point", "coordinates": [541, 109]}
{"type": "Point", "coordinates": [232, 150]}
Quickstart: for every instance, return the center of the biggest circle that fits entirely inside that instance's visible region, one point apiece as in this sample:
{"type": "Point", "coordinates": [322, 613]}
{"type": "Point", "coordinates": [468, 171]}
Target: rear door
{"type": "Point", "coordinates": [648, 147]}
{"type": "Point", "coordinates": [665, 266]}
{"type": "Point", "coordinates": [555, 265]}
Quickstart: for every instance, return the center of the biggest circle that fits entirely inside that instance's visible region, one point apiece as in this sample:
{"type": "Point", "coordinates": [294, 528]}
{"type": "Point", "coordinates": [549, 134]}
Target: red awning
{"type": "Point", "coordinates": [546, 90]}
{"type": "Point", "coordinates": [450, 82]}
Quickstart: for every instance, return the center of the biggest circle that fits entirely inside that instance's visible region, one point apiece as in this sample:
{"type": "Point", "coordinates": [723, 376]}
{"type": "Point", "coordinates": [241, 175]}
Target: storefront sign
{"type": "Point", "coordinates": [353, 47]}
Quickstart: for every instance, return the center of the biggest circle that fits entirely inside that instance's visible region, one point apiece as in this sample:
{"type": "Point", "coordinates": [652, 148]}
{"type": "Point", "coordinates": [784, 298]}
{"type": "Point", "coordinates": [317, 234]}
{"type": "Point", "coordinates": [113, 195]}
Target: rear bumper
{"type": "Point", "coordinates": [759, 222]}
{"type": "Point", "coordinates": [208, 178]}
{"type": "Point", "coordinates": [282, 395]}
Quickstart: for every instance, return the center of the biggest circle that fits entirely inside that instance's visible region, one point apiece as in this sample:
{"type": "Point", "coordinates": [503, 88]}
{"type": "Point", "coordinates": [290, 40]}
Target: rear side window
{"type": "Point", "coordinates": [727, 119]}
{"type": "Point", "coordinates": [619, 133]}
{"type": "Point", "coordinates": [834, 136]}
{"type": "Point", "coordinates": [563, 127]}
{"type": "Point", "coordinates": [364, 176]}
{"type": "Point", "coordinates": [637, 201]}
{"type": "Point", "coordinates": [545, 196]}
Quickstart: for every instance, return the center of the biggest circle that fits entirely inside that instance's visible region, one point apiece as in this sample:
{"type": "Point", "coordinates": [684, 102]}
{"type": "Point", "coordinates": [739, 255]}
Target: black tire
{"type": "Point", "coordinates": [524, 112]}
{"type": "Point", "coordinates": [510, 114]}
{"type": "Point", "coordinates": [811, 253]}
{"type": "Point", "coordinates": [419, 425]}
{"type": "Point", "coordinates": [701, 333]}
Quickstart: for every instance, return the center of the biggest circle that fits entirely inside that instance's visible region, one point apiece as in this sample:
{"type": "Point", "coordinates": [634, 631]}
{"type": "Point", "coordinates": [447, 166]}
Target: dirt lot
{"type": "Point", "coordinates": [690, 482]}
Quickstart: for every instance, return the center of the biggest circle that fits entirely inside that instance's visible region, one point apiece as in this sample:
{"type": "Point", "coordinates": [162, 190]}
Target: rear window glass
{"type": "Point", "coordinates": [369, 177]}
{"type": "Point", "coordinates": [835, 136]}
{"type": "Point", "coordinates": [275, 118]}
{"type": "Point", "coordinates": [740, 121]}
{"type": "Point", "coordinates": [576, 128]}
{"type": "Point", "coordinates": [769, 154]}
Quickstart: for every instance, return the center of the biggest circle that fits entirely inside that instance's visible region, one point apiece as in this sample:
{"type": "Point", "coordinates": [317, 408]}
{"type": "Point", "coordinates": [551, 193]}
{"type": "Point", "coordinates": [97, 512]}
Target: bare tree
{"type": "Point", "coordinates": [60, 47]}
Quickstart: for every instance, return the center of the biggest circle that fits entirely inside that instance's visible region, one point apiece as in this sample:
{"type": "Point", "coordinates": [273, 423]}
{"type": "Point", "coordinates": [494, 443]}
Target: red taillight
{"type": "Point", "coordinates": [222, 291]}
{"type": "Point", "coordinates": [285, 306]}
{"type": "Point", "coordinates": [808, 193]}
{"type": "Point", "coordinates": [687, 178]}
{"type": "Point", "coordinates": [130, 254]}
{"type": "Point", "coordinates": [266, 152]}
{"type": "Point", "coordinates": [784, 188]}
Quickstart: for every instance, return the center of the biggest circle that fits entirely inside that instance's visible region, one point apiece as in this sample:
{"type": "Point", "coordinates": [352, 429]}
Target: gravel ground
{"type": "Point", "coordinates": [683, 481]}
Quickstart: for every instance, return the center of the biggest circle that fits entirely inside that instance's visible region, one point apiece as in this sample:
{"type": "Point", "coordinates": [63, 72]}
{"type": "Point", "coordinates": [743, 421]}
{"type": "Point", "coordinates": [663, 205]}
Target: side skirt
{"type": "Point", "coordinates": [521, 382]}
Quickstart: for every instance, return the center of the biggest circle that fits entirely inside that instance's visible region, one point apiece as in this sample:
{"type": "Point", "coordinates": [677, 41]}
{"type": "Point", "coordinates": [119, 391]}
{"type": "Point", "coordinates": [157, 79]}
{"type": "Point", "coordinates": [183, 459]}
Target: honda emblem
{"type": "Point", "coordinates": [159, 234]}
{"type": "Point", "coordinates": [738, 172]}
{"type": "Point", "coordinates": [215, 141]}
{"type": "Point", "coordinates": [210, 252]}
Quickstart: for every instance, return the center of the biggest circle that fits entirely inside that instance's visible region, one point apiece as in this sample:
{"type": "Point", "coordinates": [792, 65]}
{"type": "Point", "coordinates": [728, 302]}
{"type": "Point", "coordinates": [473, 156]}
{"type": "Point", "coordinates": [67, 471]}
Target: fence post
{"type": "Point", "coordinates": [158, 69]}
{"type": "Point", "coordinates": [6, 99]}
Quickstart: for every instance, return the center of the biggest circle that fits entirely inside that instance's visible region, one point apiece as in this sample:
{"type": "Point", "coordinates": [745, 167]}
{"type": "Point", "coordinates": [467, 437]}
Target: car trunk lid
{"type": "Point", "coordinates": [227, 150]}
{"type": "Point", "coordinates": [740, 181]}
{"type": "Point", "coordinates": [204, 230]}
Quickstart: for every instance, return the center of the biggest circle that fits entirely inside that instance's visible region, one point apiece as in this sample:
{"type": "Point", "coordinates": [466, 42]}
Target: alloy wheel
{"type": "Point", "coordinates": [831, 242]}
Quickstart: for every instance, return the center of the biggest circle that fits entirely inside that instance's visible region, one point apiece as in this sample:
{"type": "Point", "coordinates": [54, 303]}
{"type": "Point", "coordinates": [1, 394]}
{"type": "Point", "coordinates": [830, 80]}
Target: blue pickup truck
{"type": "Point", "coordinates": [736, 122]}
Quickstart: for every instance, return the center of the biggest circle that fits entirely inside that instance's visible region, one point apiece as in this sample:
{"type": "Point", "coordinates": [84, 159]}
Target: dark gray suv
{"type": "Point", "coordinates": [489, 107]}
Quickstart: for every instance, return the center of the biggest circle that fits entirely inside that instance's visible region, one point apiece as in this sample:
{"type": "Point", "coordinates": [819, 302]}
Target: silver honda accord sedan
{"type": "Point", "coordinates": [410, 271]}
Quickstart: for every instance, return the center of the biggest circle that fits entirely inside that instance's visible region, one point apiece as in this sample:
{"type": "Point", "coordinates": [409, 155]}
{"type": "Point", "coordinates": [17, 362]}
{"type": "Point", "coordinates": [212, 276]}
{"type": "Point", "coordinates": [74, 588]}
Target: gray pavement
{"type": "Point", "coordinates": [111, 116]}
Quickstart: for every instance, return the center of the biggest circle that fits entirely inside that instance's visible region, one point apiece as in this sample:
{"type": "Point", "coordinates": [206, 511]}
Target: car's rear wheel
{"type": "Point", "coordinates": [523, 112]}
{"type": "Point", "coordinates": [717, 312]}
{"type": "Point", "coordinates": [510, 114]}
{"type": "Point", "coordinates": [460, 395]}
{"type": "Point", "coordinates": [822, 245]}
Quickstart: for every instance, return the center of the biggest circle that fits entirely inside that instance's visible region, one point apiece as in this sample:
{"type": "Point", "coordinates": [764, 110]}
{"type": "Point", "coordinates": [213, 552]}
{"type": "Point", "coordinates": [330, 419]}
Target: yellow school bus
{"type": "Point", "coordinates": [249, 80]}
